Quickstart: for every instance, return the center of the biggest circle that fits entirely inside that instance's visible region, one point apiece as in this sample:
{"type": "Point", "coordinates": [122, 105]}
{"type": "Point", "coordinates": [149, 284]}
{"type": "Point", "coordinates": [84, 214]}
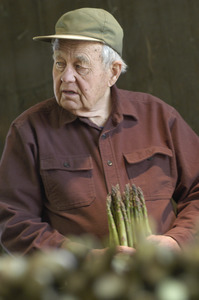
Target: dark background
{"type": "Point", "coordinates": [161, 48]}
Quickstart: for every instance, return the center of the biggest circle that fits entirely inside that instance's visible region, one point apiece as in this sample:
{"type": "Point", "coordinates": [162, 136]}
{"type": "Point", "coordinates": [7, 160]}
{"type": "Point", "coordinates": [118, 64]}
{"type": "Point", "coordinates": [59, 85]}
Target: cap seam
{"type": "Point", "coordinates": [105, 20]}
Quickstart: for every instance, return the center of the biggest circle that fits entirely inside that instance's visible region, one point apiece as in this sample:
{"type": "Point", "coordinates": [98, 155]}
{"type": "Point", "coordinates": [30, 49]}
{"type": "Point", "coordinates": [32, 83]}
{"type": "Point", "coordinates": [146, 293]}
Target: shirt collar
{"type": "Point", "coordinates": [122, 104]}
{"type": "Point", "coordinates": [65, 117]}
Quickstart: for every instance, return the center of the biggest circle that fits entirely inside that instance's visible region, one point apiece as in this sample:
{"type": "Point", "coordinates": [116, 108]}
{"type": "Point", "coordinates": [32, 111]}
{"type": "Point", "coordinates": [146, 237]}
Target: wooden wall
{"type": "Point", "coordinates": [161, 48]}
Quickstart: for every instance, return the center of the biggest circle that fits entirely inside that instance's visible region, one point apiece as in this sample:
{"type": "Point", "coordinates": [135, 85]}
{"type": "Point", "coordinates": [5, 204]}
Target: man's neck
{"type": "Point", "coordinates": [100, 116]}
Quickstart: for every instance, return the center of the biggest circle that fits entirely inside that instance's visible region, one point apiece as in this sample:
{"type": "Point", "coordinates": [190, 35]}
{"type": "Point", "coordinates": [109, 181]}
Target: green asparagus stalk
{"type": "Point", "coordinates": [126, 199]}
{"type": "Point", "coordinates": [113, 234]}
{"type": "Point", "coordinates": [127, 208]}
{"type": "Point", "coordinates": [119, 219]}
{"type": "Point", "coordinates": [136, 214]}
{"type": "Point", "coordinates": [131, 214]}
{"type": "Point", "coordinates": [144, 213]}
{"type": "Point", "coordinates": [128, 227]}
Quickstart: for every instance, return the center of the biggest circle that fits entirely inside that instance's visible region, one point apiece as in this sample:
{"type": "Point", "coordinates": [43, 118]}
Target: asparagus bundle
{"type": "Point", "coordinates": [127, 216]}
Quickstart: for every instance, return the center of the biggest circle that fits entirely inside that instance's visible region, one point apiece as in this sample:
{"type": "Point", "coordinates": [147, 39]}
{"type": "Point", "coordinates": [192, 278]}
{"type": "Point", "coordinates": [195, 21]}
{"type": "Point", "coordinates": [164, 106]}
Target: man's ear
{"type": "Point", "coordinates": [115, 69]}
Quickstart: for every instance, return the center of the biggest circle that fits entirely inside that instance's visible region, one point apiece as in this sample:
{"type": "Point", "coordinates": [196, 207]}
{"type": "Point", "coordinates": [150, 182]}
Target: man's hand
{"type": "Point", "coordinates": [125, 250]}
{"type": "Point", "coordinates": [119, 249]}
{"type": "Point", "coordinates": [160, 240]}
{"type": "Point", "coordinates": [164, 241]}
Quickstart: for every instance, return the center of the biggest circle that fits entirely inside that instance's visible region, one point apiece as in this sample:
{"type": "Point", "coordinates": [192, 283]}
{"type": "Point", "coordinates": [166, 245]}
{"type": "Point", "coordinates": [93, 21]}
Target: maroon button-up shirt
{"type": "Point", "coordinates": [57, 169]}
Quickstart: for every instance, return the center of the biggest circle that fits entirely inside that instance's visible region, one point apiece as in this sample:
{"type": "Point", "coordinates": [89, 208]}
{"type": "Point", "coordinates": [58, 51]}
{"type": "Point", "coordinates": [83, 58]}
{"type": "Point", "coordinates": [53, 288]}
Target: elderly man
{"type": "Point", "coordinates": [63, 155]}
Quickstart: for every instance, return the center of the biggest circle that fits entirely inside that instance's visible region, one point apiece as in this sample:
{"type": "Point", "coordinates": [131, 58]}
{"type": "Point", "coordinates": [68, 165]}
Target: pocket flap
{"type": "Point", "coordinates": [146, 153]}
{"type": "Point", "coordinates": [72, 163]}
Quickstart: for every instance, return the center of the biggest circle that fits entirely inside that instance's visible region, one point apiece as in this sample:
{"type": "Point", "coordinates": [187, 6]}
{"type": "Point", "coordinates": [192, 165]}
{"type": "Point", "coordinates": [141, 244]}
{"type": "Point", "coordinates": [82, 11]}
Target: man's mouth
{"type": "Point", "coordinates": [69, 92]}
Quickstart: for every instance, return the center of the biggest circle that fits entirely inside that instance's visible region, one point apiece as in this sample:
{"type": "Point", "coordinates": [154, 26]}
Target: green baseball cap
{"type": "Point", "coordinates": [88, 24]}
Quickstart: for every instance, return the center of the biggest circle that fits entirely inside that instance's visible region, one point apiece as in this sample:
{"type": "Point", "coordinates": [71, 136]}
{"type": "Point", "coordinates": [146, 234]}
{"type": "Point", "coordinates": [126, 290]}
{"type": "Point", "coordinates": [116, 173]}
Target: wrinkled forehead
{"type": "Point", "coordinates": [83, 49]}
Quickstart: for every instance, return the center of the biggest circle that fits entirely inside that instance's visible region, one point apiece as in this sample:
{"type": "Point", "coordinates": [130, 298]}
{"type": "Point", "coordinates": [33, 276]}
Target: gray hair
{"type": "Point", "coordinates": [108, 55]}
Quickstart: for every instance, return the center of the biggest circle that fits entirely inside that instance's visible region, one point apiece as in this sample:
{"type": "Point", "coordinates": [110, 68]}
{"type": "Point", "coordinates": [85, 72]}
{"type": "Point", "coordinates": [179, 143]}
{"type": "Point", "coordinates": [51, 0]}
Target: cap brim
{"type": "Point", "coordinates": [48, 38]}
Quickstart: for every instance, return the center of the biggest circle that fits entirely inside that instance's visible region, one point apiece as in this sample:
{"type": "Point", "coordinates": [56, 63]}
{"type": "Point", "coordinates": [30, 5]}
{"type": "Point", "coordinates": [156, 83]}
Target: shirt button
{"type": "Point", "coordinates": [150, 158]}
{"type": "Point", "coordinates": [66, 165]}
{"type": "Point", "coordinates": [109, 163]}
{"type": "Point", "coordinates": [104, 136]}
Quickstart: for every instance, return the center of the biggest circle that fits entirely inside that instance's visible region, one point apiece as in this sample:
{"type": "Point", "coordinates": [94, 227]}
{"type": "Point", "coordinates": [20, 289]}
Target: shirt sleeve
{"type": "Point", "coordinates": [22, 226]}
{"type": "Point", "coordinates": [186, 190]}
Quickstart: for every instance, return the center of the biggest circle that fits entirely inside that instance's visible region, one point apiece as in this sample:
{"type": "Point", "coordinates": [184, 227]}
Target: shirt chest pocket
{"type": "Point", "coordinates": [150, 168]}
{"type": "Point", "coordinates": [68, 181]}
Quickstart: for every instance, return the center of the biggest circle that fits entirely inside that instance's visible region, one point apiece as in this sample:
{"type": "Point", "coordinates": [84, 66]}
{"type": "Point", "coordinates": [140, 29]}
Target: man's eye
{"type": "Point", "coordinates": [82, 70]}
{"type": "Point", "coordinates": [79, 67]}
{"type": "Point", "coordinates": [60, 65]}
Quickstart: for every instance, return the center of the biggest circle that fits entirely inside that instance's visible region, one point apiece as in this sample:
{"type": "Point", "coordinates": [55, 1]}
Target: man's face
{"type": "Point", "coordinates": [81, 82]}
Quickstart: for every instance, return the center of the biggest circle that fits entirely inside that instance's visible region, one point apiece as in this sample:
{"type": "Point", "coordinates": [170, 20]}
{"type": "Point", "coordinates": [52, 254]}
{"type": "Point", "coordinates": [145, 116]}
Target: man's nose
{"type": "Point", "coordinates": [68, 75]}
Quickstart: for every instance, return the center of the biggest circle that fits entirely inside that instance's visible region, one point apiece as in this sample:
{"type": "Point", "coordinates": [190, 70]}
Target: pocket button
{"type": "Point", "coordinates": [66, 165]}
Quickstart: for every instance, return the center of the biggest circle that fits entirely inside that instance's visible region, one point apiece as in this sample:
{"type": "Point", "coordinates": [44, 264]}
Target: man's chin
{"type": "Point", "coordinates": [69, 104]}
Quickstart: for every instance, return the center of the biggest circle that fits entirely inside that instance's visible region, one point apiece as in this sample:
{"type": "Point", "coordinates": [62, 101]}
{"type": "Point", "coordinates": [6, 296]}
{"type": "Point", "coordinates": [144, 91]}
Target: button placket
{"type": "Point", "coordinates": [104, 136]}
{"type": "Point", "coordinates": [108, 159]}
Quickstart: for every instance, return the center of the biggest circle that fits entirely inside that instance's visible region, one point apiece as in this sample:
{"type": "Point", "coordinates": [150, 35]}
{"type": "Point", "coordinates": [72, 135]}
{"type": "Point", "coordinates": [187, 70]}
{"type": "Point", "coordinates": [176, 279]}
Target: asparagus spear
{"type": "Point", "coordinates": [127, 208]}
{"type": "Point", "coordinates": [144, 213]}
{"type": "Point", "coordinates": [113, 234]}
{"type": "Point", "coordinates": [126, 200]}
{"type": "Point", "coordinates": [136, 214]}
{"type": "Point", "coordinates": [128, 227]}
